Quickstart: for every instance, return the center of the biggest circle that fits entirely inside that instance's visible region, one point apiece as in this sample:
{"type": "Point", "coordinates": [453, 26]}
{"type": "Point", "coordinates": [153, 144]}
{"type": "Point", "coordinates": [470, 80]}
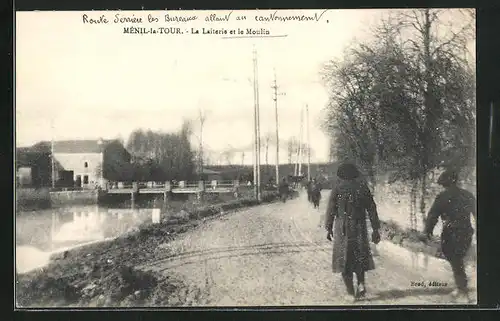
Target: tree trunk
{"type": "Point", "coordinates": [423, 198]}
{"type": "Point", "coordinates": [267, 153]}
{"type": "Point", "coordinates": [413, 205]}
{"type": "Point", "coordinates": [430, 117]}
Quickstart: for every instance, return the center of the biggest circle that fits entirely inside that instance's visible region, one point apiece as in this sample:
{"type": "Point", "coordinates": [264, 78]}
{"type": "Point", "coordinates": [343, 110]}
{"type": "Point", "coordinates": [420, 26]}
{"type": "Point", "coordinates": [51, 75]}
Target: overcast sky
{"type": "Point", "coordinates": [93, 81]}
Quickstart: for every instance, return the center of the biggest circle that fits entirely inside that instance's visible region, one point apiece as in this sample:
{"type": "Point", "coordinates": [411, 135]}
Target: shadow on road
{"type": "Point", "coordinates": [219, 250]}
{"type": "Point", "coordinates": [395, 294]}
{"type": "Point", "coordinates": [248, 251]}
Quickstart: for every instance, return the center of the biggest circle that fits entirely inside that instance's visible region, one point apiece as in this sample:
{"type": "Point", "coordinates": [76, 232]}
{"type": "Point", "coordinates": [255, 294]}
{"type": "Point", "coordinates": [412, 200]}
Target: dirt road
{"type": "Point", "coordinates": [275, 255]}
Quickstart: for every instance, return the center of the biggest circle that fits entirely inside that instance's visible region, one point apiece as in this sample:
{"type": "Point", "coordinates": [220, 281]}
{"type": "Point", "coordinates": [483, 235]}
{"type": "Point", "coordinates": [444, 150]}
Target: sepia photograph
{"type": "Point", "coordinates": [245, 158]}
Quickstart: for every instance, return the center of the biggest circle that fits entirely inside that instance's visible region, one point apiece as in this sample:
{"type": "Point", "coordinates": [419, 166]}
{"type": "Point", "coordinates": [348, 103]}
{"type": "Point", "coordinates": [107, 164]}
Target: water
{"type": "Point", "coordinates": [41, 233]}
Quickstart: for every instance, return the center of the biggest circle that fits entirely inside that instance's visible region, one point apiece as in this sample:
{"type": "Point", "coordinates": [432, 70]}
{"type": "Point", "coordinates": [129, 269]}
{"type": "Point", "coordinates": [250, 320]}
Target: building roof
{"type": "Point", "coordinates": [27, 157]}
{"type": "Point", "coordinates": [85, 146]}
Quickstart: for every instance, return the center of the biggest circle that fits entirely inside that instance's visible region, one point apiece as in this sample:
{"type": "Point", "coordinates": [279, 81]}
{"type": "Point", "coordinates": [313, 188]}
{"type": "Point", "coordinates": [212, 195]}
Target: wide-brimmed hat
{"type": "Point", "coordinates": [348, 171]}
{"type": "Point", "coordinates": [449, 177]}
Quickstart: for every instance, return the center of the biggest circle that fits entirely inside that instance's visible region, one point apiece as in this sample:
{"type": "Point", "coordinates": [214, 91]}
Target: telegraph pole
{"type": "Point", "coordinates": [308, 146]}
{"type": "Point", "coordinates": [256, 129]}
{"type": "Point", "coordinates": [275, 98]}
{"type": "Point", "coordinates": [258, 126]}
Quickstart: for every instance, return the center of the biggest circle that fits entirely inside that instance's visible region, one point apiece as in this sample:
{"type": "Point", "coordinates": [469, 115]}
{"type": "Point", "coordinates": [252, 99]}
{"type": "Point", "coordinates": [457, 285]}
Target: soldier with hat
{"type": "Point", "coordinates": [454, 206]}
{"type": "Point", "coordinates": [348, 205]}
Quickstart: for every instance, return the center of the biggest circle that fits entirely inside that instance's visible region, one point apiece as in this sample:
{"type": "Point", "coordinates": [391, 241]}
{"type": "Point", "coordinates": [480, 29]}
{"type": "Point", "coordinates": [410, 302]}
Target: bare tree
{"type": "Point", "coordinates": [227, 155]}
{"type": "Point", "coordinates": [403, 101]}
{"type": "Point", "coordinates": [267, 139]}
{"type": "Point", "coordinates": [292, 148]}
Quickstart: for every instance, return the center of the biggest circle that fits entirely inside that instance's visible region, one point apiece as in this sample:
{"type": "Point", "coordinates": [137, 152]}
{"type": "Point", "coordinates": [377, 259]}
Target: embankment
{"type": "Point", "coordinates": [103, 274]}
{"type": "Point", "coordinates": [31, 199]}
{"type": "Point", "coordinates": [67, 198]}
{"type": "Point", "coordinates": [28, 199]}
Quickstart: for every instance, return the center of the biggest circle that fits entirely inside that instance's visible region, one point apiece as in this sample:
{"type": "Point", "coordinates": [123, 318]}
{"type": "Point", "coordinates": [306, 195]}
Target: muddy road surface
{"type": "Point", "coordinates": [277, 254]}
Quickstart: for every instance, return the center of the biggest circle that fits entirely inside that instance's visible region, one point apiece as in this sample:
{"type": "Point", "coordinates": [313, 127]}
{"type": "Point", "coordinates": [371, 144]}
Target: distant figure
{"type": "Point", "coordinates": [348, 204]}
{"type": "Point", "coordinates": [283, 190]}
{"type": "Point", "coordinates": [309, 190]}
{"type": "Point", "coordinates": [315, 193]}
{"type": "Point", "coordinates": [454, 205]}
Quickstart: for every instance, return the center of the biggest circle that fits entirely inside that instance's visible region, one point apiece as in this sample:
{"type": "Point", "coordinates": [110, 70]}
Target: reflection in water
{"type": "Point", "coordinates": [41, 233]}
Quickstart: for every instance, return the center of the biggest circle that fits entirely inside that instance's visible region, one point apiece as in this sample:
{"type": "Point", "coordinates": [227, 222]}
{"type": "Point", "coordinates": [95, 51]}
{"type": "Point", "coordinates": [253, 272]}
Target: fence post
{"type": "Point", "coordinates": [166, 193]}
{"type": "Point", "coordinates": [201, 186]}
{"type": "Point", "coordinates": [135, 190]}
{"type": "Point", "coordinates": [201, 190]}
{"type": "Point", "coordinates": [236, 186]}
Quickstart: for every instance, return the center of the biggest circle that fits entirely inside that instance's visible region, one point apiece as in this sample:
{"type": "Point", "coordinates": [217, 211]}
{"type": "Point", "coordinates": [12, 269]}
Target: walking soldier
{"type": "Point", "coordinates": [454, 205]}
{"type": "Point", "coordinates": [348, 205]}
{"type": "Point", "coordinates": [283, 190]}
{"type": "Point", "coordinates": [315, 193]}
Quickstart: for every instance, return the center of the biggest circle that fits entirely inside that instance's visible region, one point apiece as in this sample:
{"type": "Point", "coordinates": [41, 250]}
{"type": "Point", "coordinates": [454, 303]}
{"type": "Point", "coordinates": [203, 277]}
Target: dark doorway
{"type": "Point", "coordinates": [78, 181]}
{"type": "Point", "coordinates": [65, 179]}
{"type": "Point", "coordinates": [85, 179]}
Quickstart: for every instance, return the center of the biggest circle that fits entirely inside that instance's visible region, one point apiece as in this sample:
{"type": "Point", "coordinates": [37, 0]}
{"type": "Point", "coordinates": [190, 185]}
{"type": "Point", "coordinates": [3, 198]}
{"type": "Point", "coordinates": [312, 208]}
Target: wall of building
{"type": "Point", "coordinates": [76, 163]}
{"type": "Point", "coordinates": [24, 176]}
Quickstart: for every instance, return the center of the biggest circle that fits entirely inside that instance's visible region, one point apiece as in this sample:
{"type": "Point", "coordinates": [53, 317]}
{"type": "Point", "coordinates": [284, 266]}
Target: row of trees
{"type": "Point", "coordinates": [158, 156]}
{"type": "Point", "coordinates": [229, 155]}
{"type": "Point", "coordinates": [404, 103]}
{"type": "Point", "coordinates": [161, 156]}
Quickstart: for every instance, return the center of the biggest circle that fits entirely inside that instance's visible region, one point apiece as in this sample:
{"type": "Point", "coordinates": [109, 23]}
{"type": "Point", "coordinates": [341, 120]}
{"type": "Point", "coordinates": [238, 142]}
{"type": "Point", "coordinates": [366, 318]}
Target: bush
{"type": "Point", "coordinates": [43, 289]}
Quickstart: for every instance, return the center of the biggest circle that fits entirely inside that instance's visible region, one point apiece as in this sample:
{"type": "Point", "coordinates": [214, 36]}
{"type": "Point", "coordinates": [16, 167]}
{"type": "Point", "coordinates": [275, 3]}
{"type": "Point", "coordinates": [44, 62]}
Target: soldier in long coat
{"type": "Point", "coordinates": [315, 193]}
{"type": "Point", "coordinates": [454, 205]}
{"type": "Point", "coordinates": [283, 189]}
{"type": "Point", "coordinates": [348, 205]}
{"type": "Point", "coordinates": [309, 190]}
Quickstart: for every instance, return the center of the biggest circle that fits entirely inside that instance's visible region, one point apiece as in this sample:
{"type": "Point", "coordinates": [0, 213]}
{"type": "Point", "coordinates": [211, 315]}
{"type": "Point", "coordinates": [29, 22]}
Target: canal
{"type": "Point", "coordinates": [41, 233]}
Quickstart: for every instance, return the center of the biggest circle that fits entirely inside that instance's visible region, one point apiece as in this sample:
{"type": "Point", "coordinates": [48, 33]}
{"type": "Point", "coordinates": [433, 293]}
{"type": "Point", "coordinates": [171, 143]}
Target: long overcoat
{"type": "Point", "coordinates": [349, 203]}
{"type": "Point", "coordinates": [315, 193]}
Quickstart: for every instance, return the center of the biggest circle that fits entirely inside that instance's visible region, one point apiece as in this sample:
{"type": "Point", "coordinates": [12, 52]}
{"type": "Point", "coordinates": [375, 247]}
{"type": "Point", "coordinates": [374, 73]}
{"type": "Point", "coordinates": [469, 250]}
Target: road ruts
{"type": "Point", "coordinates": [275, 255]}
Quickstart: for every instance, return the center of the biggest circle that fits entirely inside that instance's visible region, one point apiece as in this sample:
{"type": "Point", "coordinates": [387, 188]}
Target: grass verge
{"type": "Point", "coordinates": [410, 240]}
